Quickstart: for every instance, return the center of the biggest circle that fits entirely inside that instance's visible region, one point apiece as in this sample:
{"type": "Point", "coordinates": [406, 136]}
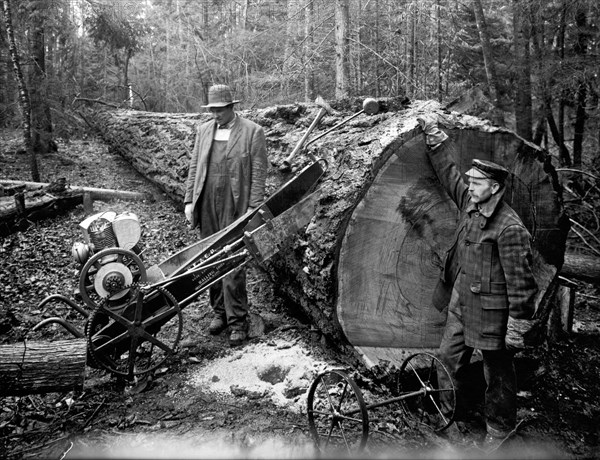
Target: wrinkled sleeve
{"type": "Point", "coordinates": [448, 174]}
{"type": "Point", "coordinates": [514, 248]}
{"type": "Point", "coordinates": [259, 168]}
{"type": "Point", "coordinates": [189, 185]}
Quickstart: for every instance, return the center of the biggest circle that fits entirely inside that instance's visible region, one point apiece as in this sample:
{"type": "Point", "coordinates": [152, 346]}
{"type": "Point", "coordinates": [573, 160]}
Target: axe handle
{"type": "Point", "coordinates": [341, 123]}
{"type": "Point", "coordinates": [300, 144]}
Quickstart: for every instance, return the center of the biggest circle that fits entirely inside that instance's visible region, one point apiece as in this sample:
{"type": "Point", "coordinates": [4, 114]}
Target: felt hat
{"type": "Point", "coordinates": [482, 169]}
{"type": "Point", "coordinates": [219, 96]}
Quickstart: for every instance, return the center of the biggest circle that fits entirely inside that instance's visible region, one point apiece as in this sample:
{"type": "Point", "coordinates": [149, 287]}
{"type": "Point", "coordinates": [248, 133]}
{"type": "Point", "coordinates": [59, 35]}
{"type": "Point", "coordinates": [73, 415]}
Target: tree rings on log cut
{"type": "Point", "coordinates": [392, 247]}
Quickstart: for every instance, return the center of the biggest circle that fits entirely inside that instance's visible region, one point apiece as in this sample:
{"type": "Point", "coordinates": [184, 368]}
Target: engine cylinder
{"type": "Point", "coordinates": [102, 235]}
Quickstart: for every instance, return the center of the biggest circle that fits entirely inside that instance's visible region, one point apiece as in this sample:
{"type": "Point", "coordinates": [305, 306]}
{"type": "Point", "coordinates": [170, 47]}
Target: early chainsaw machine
{"type": "Point", "coordinates": [134, 313]}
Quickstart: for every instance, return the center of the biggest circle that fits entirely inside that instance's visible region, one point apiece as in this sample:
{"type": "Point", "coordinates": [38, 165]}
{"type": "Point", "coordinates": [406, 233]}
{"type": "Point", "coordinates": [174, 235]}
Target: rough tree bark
{"type": "Point", "coordinates": [42, 367]}
{"type": "Point", "coordinates": [342, 48]}
{"type": "Point", "coordinates": [24, 99]}
{"type": "Point", "coordinates": [41, 120]}
{"type": "Point", "coordinates": [370, 256]}
{"type": "Point", "coordinates": [581, 267]}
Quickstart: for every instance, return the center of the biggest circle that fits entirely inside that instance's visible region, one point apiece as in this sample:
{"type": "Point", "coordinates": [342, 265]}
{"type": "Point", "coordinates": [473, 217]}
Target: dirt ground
{"type": "Point", "coordinates": [213, 401]}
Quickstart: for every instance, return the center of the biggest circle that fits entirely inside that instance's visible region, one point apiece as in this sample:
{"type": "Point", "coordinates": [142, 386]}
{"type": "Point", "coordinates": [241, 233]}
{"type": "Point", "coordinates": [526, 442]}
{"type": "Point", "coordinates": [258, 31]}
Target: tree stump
{"type": "Point", "coordinates": [42, 367]}
{"type": "Point", "coordinates": [364, 270]}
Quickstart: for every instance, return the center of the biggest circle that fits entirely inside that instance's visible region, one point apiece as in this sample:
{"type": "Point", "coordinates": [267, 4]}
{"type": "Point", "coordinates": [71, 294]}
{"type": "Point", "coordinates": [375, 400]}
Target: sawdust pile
{"type": "Point", "coordinates": [277, 370]}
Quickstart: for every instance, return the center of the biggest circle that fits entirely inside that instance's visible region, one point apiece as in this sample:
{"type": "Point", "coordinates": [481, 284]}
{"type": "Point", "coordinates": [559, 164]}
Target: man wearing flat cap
{"type": "Point", "coordinates": [486, 282]}
{"type": "Point", "coordinates": [226, 179]}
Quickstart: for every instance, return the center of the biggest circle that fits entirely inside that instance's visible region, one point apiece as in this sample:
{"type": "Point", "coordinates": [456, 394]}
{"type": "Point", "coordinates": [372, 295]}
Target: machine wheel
{"type": "Point", "coordinates": [419, 372]}
{"type": "Point", "coordinates": [128, 343]}
{"type": "Point", "coordinates": [337, 414]}
{"type": "Point", "coordinates": [108, 275]}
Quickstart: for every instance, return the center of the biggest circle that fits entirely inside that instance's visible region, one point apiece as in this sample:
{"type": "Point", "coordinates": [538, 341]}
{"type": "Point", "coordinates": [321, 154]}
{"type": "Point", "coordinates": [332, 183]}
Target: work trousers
{"type": "Point", "coordinates": [228, 297]}
{"type": "Point", "coordinates": [498, 369]}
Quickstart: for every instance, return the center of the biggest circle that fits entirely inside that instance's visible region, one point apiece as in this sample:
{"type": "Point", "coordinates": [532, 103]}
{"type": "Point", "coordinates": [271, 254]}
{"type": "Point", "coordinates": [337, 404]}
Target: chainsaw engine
{"type": "Point", "coordinates": [107, 230]}
{"type": "Point", "coordinates": [109, 256]}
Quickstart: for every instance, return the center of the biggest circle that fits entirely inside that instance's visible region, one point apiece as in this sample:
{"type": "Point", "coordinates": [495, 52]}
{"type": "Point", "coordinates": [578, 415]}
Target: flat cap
{"type": "Point", "coordinates": [482, 169]}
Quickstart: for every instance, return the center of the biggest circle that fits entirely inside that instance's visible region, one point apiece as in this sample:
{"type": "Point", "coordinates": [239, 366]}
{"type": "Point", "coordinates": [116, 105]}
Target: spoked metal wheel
{"type": "Point", "coordinates": [137, 339]}
{"type": "Point", "coordinates": [107, 276]}
{"type": "Point", "coordinates": [337, 414]}
{"type": "Point", "coordinates": [432, 399]}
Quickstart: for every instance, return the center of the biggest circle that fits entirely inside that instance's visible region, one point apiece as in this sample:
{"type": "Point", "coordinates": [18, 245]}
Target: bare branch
{"type": "Point", "coordinates": [578, 171]}
{"type": "Point", "coordinates": [582, 237]}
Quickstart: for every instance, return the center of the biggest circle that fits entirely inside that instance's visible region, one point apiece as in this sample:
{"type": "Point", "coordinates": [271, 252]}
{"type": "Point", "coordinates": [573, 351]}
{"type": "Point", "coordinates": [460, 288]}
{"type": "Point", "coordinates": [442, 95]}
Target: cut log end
{"type": "Point", "coordinates": [365, 268]}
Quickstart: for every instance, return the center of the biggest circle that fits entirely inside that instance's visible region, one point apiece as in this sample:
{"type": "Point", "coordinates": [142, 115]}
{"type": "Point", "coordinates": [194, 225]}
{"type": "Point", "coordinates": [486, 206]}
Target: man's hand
{"type": "Point", "coordinates": [433, 134]}
{"type": "Point", "coordinates": [522, 333]}
{"type": "Point", "coordinates": [189, 212]}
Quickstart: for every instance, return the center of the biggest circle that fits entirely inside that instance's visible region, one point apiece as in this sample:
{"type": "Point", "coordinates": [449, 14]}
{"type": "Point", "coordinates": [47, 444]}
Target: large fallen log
{"type": "Point", "coordinates": [366, 266]}
{"type": "Point", "coordinates": [31, 201]}
{"type": "Point", "coordinates": [581, 267]}
{"type": "Point", "coordinates": [18, 210]}
{"type": "Point", "coordinates": [101, 194]}
{"type": "Point", "coordinates": [42, 367]}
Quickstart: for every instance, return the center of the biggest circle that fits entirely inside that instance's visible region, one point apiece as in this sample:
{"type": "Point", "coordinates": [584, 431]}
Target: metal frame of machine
{"type": "Point", "coordinates": [134, 313]}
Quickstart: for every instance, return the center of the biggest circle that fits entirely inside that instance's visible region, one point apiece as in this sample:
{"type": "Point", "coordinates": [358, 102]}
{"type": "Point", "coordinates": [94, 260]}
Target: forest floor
{"type": "Point", "coordinates": [213, 401]}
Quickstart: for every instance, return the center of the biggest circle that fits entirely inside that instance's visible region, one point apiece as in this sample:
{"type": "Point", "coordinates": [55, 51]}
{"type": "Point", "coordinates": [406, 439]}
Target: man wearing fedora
{"type": "Point", "coordinates": [486, 282]}
{"type": "Point", "coordinates": [226, 179]}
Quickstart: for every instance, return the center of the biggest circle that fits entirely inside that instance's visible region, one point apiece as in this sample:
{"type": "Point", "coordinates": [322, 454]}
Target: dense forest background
{"type": "Point", "coordinates": [535, 59]}
{"type": "Point", "coordinates": [533, 65]}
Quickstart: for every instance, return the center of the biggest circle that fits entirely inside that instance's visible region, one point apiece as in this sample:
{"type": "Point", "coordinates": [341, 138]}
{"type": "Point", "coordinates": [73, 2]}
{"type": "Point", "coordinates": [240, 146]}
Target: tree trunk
{"type": "Point", "coordinates": [245, 14]}
{"type": "Point", "coordinates": [565, 156]}
{"type": "Point", "coordinates": [581, 93]}
{"type": "Point", "coordinates": [546, 96]}
{"type": "Point", "coordinates": [41, 121]}
{"type": "Point", "coordinates": [438, 14]}
{"type": "Point", "coordinates": [583, 268]}
{"type": "Point", "coordinates": [289, 45]}
{"type": "Point", "coordinates": [523, 112]}
{"type": "Point", "coordinates": [368, 260]}
{"type": "Point", "coordinates": [566, 159]}
{"type": "Point", "coordinates": [309, 76]}
{"type": "Point", "coordinates": [24, 99]}
{"type": "Point", "coordinates": [412, 57]}
{"type": "Point", "coordinates": [42, 367]}
{"type": "Point", "coordinates": [486, 48]}
{"type": "Point", "coordinates": [377, 42]}
{"type": "Point", "coordinates": [359, 80]}
{"type": "Point", "coordinates": [342, 20]}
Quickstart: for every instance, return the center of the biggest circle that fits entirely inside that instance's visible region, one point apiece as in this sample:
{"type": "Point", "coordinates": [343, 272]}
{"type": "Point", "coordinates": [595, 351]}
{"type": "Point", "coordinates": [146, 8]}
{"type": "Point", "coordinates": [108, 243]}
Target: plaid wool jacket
{"type": "Point", "coordinates": [489, 261]}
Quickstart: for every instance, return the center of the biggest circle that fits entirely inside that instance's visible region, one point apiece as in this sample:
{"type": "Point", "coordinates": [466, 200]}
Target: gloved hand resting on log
{"type": "Point", "coordinates": [189, 211]}
{"type": "Point", "coordinates": [522, 334]}
{"type": "Point", "coordinates": [434, 136]}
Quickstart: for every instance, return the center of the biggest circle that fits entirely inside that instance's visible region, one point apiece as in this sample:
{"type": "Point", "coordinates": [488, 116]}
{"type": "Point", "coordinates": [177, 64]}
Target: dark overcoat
{"type": "Point", "coordinates": [246, 162]}
{"type": "Point", "coordinates": [489, 261]}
